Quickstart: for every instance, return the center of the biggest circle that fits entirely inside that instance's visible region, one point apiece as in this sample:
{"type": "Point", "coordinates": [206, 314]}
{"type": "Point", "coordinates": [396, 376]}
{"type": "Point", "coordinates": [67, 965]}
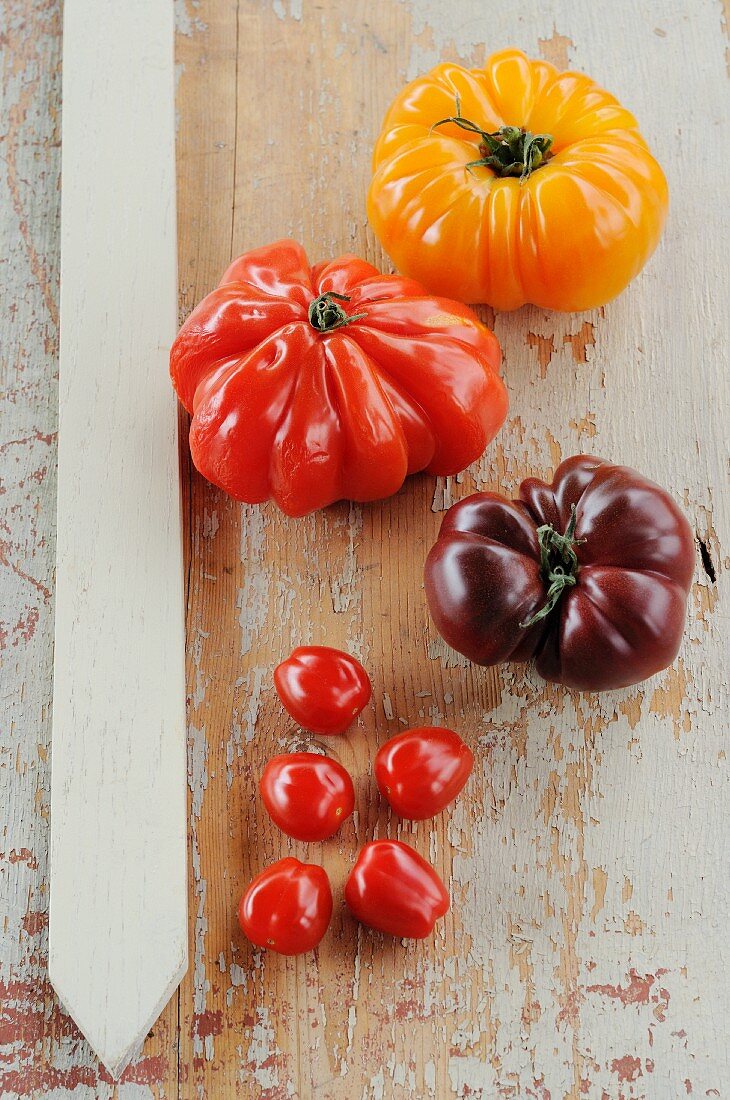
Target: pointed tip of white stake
{"type": "Point", "coordinates": [116, 1041]}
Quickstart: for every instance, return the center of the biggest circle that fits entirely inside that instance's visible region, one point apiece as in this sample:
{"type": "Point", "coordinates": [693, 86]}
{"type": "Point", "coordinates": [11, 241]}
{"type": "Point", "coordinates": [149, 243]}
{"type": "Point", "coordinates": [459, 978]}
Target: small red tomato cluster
{"type": "Point", "coordinates": [288, 906]}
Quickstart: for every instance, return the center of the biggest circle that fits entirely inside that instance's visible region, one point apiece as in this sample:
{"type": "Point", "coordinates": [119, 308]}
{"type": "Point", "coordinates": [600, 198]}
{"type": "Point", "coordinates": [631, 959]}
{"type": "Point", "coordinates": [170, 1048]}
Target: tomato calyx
{"type": "Point", "coordinates": [509, 151]}
{"type": "Point", "coordinates": [326, 314]}
{"type": "Point", "coordinates": [558, 564]}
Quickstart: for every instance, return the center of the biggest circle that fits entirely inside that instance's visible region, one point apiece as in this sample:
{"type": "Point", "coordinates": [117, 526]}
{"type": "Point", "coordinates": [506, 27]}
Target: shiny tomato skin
{"type": "Point", "coordinates": [287, 907]}
{"type": "Point", "coordinates": [420, 771]}
{"type": "Point", "coordinates": [306, 795]}
{"type": "Point", "coordinates": [395, 890]}
{"type": "Point", "coordinates": [569, 236]}
{"type": "Point", "coordinates": [621, 619]}
{"type": "Point", "coordinates": [305, 409]}
{"type": "Point", "coordinates": [323, 689]}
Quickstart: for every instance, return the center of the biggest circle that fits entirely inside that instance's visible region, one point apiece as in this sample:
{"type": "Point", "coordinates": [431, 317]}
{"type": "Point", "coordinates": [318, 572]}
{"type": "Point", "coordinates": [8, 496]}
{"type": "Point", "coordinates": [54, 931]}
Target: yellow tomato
{"type": "Point", "coordinates": [515, 183]}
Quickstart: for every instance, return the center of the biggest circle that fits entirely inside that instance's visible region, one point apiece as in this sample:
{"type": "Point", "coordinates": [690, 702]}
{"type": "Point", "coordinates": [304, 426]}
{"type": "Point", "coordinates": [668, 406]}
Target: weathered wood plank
{"type": "Point", "coordinates": [586, 953]}
{"type": "Point", "coordinates": [559, 971]}
{"type": "Point", "coordinates": [118, 921]}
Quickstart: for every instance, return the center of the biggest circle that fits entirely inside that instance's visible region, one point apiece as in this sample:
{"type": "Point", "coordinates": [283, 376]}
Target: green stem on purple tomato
{"type": "Point", "coordinates": [558, 565]}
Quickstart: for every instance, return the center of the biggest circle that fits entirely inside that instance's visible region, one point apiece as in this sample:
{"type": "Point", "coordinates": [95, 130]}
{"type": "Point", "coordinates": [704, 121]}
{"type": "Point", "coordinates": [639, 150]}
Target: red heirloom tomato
{"type": "Point", "coordinates": [313, 384]}
{"type": "Point", "coordinates": [323, 689]}
{"type": "Point", "coordinates": [287, 907]}
{"type": "Point", "coordinates": [421, 770]}
{"type": "Point", "coordinates": [588, 575]}
{"type": "Point", "coordinates": [306, 795]}
{"type": "Point", "coordinates": [393, 889]}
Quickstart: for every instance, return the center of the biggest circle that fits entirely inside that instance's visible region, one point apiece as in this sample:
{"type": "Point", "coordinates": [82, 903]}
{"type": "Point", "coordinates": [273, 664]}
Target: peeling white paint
{"type": "Point", "coordinates": [187, 20]}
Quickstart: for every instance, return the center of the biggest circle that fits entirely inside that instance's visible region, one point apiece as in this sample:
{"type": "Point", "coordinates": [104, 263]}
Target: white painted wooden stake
{"type": "Point", "coordinates": [118, 929]}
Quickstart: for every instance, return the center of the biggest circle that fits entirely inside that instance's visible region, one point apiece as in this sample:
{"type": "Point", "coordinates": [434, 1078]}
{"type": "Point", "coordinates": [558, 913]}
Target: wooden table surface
{"type": "Point", "coordinates": [586, 953]}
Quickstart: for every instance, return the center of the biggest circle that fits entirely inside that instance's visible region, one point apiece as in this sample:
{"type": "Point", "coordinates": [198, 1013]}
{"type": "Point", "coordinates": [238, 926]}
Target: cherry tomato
{"type": "Point", "coordinates": [323, 689]}
{"type": "Point", "coordinates": [393, 889]}
{"type": "Point", "coordinates": [306, 795]}
{"type": "Point", "coordinates": [287, 907]}
{"type": "Point", "coordinates": [421, 770]}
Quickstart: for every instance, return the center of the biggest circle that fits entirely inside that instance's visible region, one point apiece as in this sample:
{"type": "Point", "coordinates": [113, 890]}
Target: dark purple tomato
{"type": "Point", "coordinates": [588, 575]}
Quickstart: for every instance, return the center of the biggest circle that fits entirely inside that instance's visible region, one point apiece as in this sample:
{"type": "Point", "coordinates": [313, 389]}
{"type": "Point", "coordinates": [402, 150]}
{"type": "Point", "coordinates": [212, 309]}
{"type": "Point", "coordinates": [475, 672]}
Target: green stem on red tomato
{"type": "Point", "coordinates": [509, 151]}
{"type": "Point", "coordinates": [326, 314]}
{"type": "Point", "coordinates": [558, 564]}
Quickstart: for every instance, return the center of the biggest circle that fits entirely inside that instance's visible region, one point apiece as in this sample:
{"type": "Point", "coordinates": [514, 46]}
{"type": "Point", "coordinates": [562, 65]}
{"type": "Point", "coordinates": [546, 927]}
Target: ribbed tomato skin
{"type": "Point", "coordinates": [282, 409]}
{"type": "Point", "coordinates": [569, 236]}
{"type": "Point", "coordinates": [622, 619]}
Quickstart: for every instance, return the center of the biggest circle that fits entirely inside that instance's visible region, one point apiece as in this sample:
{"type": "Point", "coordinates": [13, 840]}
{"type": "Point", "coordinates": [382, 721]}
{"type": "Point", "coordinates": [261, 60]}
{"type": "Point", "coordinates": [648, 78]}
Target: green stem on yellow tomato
{"type": "Point", "coordinates": [509, 151]}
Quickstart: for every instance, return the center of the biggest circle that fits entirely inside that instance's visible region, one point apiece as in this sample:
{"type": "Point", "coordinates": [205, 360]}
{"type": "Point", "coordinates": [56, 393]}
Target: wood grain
{"type": "Point", "coordinates": [585, 952]}
{"type": "Point", "coordinates": [118, 921]}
